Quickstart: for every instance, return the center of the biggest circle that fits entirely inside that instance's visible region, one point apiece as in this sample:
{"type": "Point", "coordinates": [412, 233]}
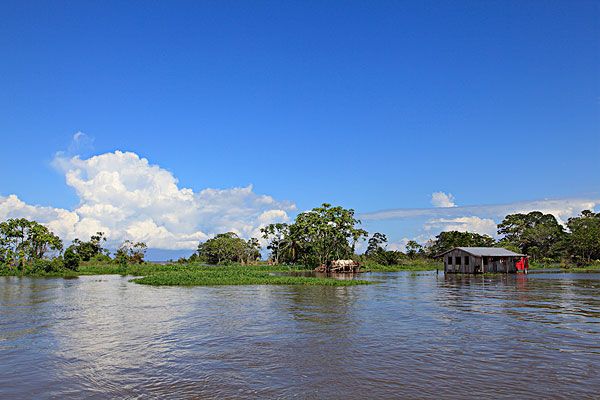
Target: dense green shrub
{"type": "Point", "coordinates": [121, 258]}
{"type": "Point", "coordinates": [44, 266]}
{"type": "Point", "coordinates": [88, 250]}
{"type": "Point", "coordinates": [71, 259]}
{"type": "Point", "coordinates": [5, 269]}
{"type": "Point", "coordinates": [101, 258]}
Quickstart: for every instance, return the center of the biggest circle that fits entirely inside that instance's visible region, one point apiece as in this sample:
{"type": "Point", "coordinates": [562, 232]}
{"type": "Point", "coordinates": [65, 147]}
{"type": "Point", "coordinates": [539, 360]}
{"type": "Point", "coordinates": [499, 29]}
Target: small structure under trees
{"type": "Point", "coordinates": [474, 260]}
{"type": "Point", "coordinates": [339, 266]}
{"type": "Point", "coordinates": [315, 237]}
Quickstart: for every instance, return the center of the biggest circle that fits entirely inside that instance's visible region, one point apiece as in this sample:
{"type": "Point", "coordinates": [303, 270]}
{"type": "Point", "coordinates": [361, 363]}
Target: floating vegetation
{"type": "Point", "coordinates": [237, 276]}
{"type": "Point", "coordinates": [213, 275]}
{"type": "Point", "coordinates": [408, 265]}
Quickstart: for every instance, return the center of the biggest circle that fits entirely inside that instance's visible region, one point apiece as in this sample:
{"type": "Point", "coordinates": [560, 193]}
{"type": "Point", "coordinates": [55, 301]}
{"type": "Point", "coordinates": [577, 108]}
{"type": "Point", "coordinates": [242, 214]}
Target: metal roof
{"type": "Point", "coordinates": [486, 252]}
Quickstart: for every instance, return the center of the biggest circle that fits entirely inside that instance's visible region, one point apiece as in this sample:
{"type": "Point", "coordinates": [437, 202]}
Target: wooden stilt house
{"type": "Point", "coordinates": [475, 260]}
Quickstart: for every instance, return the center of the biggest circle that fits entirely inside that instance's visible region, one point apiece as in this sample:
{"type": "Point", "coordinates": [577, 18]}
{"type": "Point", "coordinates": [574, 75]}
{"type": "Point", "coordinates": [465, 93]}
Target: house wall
{"type": "Point", "coordinates": [500, 264]}
{"type": "Point", "coordinates": [470, 264]}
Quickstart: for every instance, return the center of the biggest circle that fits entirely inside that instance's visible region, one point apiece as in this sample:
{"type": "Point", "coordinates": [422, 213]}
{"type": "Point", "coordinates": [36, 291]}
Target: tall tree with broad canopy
{"type": "Point", "coordinates": [535, 234]}
{"type": "Point", "coordinates": [413, 248]}
{"type": "Point", "coordinates": [583, 243]}
{"type": "Point", "coordinates": [92, 248]}
{"type": "Point", "coordinates": [227, 248]}
{"type": "Point", "coordinates": [276, 236]}
{"type": "Point", "coordinates": [317, 236]}
{"type": "Point", "coordinates": [23, 241]}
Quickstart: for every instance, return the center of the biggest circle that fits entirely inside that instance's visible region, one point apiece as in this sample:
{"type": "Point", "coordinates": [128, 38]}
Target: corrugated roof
{"type": "Point", "coordinates": [487, 252]}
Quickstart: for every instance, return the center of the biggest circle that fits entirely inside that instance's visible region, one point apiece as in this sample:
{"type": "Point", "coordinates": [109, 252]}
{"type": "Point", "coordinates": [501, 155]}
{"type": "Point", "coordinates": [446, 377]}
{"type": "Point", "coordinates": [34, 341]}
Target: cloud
{"type": "Point", "coordinates": [399, 245]}
{"type": "Point", "coordinates": [60, 221]}
{"type": "Point", "coordinates": [424, 223]}
{"type": "Point", "coordinates": [127, 197]}
{"type": "Point", "coordinates": [562, 209]}
{"type": "Point", "coordinates": [475, 224]}
{"type": "Point", "coordinates": [441, 199]}
{"type": "Point", "coordinates": [81, 143]}
{"type": "Point", "coordinates": [486, 226]}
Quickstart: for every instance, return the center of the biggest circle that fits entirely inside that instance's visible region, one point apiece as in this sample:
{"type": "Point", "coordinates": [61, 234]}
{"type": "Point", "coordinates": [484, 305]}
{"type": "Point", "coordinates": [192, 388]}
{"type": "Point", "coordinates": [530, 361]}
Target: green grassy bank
{"type": "Point", "coordinates": [199, 274]}
{"type": "Point", "coordinates": [406, 265]}
{"type": "Point", "coordinates": [593, 267]}
{"type": "Point", "coordinates": [232, 275]}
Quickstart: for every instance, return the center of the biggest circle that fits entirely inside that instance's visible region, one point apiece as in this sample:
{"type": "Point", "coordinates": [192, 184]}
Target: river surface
{"type": "Point", "coordinates": [415, 335]}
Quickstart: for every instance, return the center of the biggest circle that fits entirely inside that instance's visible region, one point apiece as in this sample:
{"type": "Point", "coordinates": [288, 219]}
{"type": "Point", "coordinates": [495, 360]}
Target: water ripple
{"type": "Point", "coordinates": [411, 336]}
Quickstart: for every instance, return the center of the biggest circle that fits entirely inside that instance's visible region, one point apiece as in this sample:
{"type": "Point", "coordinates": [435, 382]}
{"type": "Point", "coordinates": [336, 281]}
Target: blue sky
{"type": "Point", "coordinates": [370, 105]}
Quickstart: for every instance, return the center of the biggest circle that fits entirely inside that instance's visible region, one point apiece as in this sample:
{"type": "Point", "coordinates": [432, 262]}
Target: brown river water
{"type": "Point", "coordinates": [414, 335]}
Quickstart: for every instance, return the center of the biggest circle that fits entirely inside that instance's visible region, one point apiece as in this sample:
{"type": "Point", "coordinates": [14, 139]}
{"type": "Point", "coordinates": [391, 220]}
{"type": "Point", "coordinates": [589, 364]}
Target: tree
{"type": "Point", "coordinates": [23, 241]}
{"type": "Point", "coordinates": [71, 259]}
{"type": "Point", "coordinates": [224, 248]}
{"type": "Point", "coordinates": [132, 253]}
{"type": "Point", "coordinates": [378, 253]}
{"type": "Point", "coordinates": [536, 234]}
{"type": "Point", "coordinates": [413, 248]}
{"type": "Point", "coordinates": [323, 234]}
{"type": "Point", "coordinates": [88, 250]}
{"type": "Point", "coordinates": [451, 239]}
{"type": "Point", "coordinates": [252, 250]}
{"type": "Point", "coordinates": [583, 243]}
{"type": "Point", "coordinates": [121, 258]}
{"type": "Point", "coordinates": [276, 235]}
{"type": "Point", "coordinates": [326, 233]}
{"type": "Point", "coordinates": [41, 240]}
{"type": "Point", "coordinates": [376, 242]}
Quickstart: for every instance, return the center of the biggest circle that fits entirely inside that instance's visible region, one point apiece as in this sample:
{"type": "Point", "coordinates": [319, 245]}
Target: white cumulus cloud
{"type": "Point", "coordinates": [399, 245]}
{"type": "Point", "coordinates": [60, 221]}
{"type": "Point", "coordinates": [474, 224]}
{"type": "Point", "coordinates": [441, 199]}
{"type": "Point", "coordinates": [562, 209]}
{"type": "Point", "coordinates": [127, 197]}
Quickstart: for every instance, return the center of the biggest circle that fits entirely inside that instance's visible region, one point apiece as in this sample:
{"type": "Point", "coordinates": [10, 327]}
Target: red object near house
{"type": "Point", "coordinates": [522, 264]}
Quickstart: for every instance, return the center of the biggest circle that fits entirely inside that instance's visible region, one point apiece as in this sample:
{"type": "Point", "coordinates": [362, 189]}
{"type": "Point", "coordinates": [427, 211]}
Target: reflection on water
{"type": "Point", "coordinates": [414, 335]}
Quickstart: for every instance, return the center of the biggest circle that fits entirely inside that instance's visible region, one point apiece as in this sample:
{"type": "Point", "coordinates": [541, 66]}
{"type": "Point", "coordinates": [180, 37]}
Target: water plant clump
{"type": "Point", "coordinates": [237, 276]}
{"type": "Point", "coordinates": [197, 274]}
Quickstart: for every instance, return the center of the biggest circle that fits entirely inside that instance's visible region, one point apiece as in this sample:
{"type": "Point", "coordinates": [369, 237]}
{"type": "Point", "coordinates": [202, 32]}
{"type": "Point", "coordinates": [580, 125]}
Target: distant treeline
{"type": "Point", "coordinates": [30, 247]}
{"type": "Point", "coordinates": [315, 237]}
{"type": "Point", "coordinates": [537, 235]}
{"type": "Point", "coordinates": [326, 233]}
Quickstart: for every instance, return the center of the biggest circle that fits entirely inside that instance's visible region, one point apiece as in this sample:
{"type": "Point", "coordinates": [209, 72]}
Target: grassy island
{"type": "Point", "coordinates": [416, 264]}
{"type": "Point", "coordinates": [192, 274]}
{"type": "Point", "coordinates": [240, 275]}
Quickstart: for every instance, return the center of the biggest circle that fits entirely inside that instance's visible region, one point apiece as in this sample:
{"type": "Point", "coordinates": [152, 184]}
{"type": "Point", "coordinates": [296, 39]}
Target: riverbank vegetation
{"type": "Point", "coordinates": [29, 248]}
{"type": "Point", "coordinates": [576, 244]}
{"type": "Point", "coordinates": [417, 264]}
{"type": "Point", "coordinates": [557, 265]}
{"type": "Point", "coordinates": [314, 238]}
{"type": "Point", "coordinates": [193, 274]}
{"type": "Point", "coordinates": [204, 275]}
